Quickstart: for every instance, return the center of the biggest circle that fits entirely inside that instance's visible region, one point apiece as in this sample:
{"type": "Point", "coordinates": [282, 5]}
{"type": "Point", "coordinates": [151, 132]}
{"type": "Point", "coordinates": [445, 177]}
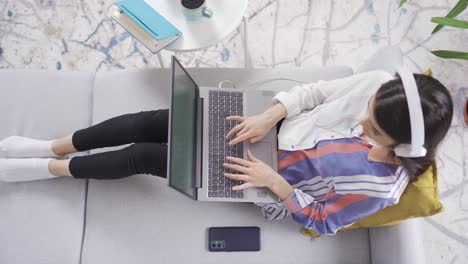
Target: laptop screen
{"type": "Point", "coordinates": [183, 131]}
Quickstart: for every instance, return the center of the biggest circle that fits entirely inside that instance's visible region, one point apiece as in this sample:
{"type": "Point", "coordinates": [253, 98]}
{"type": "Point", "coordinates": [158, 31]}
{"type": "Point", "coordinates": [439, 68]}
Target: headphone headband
{"type": "Point", "coordinates": [416, 148]}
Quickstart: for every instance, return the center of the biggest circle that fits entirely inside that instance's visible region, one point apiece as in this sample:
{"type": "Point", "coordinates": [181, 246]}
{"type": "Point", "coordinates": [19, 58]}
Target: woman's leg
{"type": "Point", "coordinates": [146, 126]}
{"type": "Point", "coordinates": [139, 158]}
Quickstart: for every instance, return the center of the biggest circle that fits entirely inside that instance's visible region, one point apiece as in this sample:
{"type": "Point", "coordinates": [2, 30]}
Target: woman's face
{"type": "Point", "coordinates": [372, 129]}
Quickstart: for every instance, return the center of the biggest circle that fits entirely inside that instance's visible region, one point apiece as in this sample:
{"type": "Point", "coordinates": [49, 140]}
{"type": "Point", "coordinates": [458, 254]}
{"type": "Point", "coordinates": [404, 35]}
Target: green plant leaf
{"type": "Point", "coordinates": [457, 9]}
{"type": "Point", "coordinates": [450, 22]}
{"type": "Point", "coordinates": [449, 54]}
{"type": "Point", "coordinates": [402, 2]}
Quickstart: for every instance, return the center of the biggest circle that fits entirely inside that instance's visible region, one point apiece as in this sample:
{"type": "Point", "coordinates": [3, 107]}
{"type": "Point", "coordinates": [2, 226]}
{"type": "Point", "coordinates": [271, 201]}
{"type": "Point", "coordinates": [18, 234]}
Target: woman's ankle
{"type": "Point", "coordinates": [59, 167]}
{"type": "Point", "coordinates": [56, 149]}
{"type": "Point", "coordinates": [63, 146]}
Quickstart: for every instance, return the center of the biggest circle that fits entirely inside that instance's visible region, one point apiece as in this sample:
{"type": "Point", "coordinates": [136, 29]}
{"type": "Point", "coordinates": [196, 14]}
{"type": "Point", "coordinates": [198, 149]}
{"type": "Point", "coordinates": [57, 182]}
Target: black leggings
{"type": "Point", "coordinates": [148, 130]}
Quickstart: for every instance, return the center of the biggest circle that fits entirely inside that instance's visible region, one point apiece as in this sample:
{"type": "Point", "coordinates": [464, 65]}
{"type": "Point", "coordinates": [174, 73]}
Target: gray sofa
{"type": "Point", "coordinates": [139, 219]}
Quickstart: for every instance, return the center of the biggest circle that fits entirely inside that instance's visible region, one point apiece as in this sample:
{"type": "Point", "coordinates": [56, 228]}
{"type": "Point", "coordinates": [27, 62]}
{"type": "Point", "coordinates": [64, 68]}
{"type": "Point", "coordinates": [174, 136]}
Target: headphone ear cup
{"type": "Point", "coordinates": [405, 150]}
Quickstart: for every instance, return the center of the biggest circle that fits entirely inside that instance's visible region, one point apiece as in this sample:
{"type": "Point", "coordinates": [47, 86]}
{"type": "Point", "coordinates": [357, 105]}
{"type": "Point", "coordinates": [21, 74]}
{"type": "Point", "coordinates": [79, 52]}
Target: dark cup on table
{"type": "Point", "coordinates": [196, 9]}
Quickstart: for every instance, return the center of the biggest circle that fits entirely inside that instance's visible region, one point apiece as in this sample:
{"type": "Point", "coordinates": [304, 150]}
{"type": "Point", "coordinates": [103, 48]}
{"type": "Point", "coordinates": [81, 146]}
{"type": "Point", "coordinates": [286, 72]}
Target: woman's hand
{"type": "Point", "coordinates": [252, 128]}
{"type": "Point", "coordinates": [255, 173]}
{"type": "Point", "coordinates": [255, 128]}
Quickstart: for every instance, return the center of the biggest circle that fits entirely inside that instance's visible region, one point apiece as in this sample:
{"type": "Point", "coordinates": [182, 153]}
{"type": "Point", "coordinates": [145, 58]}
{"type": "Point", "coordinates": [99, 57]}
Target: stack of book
{"type": "Point", "coordinates": [145, 24]}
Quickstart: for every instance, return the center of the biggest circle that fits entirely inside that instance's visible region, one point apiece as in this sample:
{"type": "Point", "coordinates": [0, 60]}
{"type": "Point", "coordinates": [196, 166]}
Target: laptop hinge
{"type": "Point", "coordinates": [199, 167]}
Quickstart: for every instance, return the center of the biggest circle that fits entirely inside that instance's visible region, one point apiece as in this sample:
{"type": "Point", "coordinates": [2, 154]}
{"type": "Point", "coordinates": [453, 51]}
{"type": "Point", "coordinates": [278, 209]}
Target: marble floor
{"type": "Point", "coordinates": [77, 35]}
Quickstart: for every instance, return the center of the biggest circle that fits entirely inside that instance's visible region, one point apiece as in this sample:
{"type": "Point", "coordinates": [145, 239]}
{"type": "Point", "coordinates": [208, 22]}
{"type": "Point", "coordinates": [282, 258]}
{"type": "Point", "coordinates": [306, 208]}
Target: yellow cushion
{"type": "Point", "coordinates": [421, 198]}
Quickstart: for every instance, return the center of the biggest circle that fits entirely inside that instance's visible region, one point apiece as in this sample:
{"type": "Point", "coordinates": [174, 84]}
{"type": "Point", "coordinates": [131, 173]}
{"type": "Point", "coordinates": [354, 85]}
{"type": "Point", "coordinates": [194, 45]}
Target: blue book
{"type": "Point", "coordinates": [145, 24]}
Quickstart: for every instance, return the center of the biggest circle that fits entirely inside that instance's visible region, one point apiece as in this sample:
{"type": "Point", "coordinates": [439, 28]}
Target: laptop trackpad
{"type": "Point", "coordinates": [262, 151]}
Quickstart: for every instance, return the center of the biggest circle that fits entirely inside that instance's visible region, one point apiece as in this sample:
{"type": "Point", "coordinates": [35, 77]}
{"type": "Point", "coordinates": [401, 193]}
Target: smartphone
{"type": "Point", "coordinates": [235, 238]}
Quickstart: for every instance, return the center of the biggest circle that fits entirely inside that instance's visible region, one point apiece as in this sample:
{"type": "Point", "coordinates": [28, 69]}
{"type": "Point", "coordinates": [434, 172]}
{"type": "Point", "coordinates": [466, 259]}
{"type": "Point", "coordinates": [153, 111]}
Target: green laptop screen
{"type": "Point", "coordinates": [182, 152]}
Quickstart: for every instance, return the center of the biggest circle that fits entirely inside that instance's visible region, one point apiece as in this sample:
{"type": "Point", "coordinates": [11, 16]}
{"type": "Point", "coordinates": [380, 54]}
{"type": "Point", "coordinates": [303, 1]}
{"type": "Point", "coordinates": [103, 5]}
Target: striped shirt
{"type": "Point", "coordinates": [335, 185]}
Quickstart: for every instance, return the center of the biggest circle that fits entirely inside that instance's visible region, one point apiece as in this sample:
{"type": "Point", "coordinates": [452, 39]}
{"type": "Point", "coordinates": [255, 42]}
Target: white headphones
{"type": "Point", "coordinates": [416, 148]}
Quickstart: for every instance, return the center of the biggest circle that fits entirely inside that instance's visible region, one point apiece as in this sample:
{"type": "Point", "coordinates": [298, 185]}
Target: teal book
{"type": "Point", "coordinates": [145, 24]}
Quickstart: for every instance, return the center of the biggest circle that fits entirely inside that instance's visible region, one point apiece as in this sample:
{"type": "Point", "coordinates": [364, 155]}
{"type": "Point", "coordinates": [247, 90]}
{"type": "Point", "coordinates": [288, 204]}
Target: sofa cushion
{"type": "Point", "coordinates": [141, 220]}
{"type": "Point", "coordinates": [42, 221]}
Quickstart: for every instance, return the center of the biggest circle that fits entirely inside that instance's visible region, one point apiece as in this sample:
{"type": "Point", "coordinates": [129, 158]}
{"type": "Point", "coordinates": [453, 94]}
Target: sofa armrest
{"type": "Point", "coordinates": [397, 244]}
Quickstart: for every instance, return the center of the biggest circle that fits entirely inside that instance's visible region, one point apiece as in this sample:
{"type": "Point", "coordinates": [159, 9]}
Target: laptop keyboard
{"type": "Point", "coordinates": [221, 105]}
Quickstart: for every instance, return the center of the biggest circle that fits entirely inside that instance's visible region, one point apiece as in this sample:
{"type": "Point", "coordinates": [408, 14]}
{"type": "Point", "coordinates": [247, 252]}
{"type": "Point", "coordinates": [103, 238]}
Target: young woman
{"type": "Point", "coordinates": [336, 157]}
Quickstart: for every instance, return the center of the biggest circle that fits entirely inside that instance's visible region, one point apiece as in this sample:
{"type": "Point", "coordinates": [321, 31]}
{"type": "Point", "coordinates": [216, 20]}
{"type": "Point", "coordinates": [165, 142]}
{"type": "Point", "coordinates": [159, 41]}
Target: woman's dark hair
{"type": "Point", "coordinates": [392, 115]}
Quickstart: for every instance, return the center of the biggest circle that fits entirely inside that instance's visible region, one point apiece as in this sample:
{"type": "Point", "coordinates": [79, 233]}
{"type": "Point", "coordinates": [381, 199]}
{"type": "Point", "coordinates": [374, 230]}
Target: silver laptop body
{"type": "Point", "coordinates": [201, 177]}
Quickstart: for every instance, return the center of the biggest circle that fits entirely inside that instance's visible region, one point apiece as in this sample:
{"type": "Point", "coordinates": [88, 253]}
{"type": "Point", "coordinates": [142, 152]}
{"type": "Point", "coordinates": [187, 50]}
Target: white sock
{"type": "Point", "coordinates": [16, 170]}
{"type": "Point", "coordinates": [24, 147]}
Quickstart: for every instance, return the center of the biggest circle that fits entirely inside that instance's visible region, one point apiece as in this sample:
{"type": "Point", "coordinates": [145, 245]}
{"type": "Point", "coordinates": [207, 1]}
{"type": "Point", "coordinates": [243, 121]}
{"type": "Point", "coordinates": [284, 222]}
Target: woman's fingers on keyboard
{"type": "Point", "coordinates": [242, 186]}
{"type": "Point", "coordinates": [238, 177]}
{"type": "Point", "coordinates": [234, 130]}
{"type": "Point", "coordinates": [236, 118]}
{"type": "Point", "coordinates": [240, 161]}
{"type": "Point", "coordinates": [239, 139]}
{"type": "Point", "coordinates": [236, 167]}
{"type": "Point", "coordinates": [243, 131]}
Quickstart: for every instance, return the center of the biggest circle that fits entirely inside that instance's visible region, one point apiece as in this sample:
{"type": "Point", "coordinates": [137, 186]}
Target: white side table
{"type": "Point", "coordinates": [204, 32]}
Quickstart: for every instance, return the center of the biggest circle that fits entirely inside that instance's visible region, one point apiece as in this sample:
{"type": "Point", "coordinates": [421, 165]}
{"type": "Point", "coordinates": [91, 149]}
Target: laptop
{"type": "Point", "coordinates": [197, 147]}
